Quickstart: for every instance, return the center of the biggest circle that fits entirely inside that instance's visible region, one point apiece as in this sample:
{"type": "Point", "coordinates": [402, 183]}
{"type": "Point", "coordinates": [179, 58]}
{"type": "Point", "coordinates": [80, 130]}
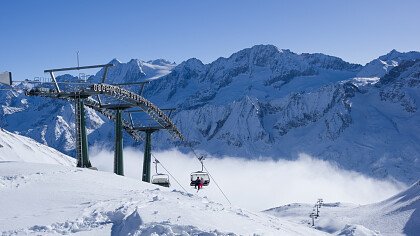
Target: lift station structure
{"type": "Point", "coordinates": [89, 95]}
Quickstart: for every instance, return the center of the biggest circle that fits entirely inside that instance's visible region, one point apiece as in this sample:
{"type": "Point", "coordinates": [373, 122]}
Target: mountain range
{"type": "Point", "coordinates": [261, 102]}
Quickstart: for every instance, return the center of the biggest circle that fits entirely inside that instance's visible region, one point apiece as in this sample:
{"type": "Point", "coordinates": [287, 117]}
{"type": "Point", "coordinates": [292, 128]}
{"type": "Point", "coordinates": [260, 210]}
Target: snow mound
{"type": "Point", "coordinates": [39, 199]}
{"type": "Point", "coordinates": [14, 147]}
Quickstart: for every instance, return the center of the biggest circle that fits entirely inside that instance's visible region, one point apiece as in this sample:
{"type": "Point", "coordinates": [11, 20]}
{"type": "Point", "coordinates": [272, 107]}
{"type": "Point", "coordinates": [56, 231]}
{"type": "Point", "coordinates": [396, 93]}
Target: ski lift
{"type": "Point", "coordinates": [160, 179]}
{"type": "Point", "coordinates": [200, 174]}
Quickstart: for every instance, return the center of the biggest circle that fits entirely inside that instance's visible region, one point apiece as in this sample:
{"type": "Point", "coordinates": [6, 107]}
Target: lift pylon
{"type": "Point", "coordinates": [147, 160]}
{"type": "Point", "coordinates": [113, 111]}
{"type": "Point", "coordinates": [118, 154]}
{"type": "Point", "coordinates": [148, 130]}
{"type": "Point", "coordinates": [81, 137]}
{"type": "Point", "coordinates": [79, 98]}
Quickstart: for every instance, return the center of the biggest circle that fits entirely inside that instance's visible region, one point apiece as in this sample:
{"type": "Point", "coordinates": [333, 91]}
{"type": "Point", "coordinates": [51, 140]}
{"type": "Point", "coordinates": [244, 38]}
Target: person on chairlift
{"type": "Point", "coordinates": [197, 182]}
{"type": "Point", "coordinates": [201, 183]}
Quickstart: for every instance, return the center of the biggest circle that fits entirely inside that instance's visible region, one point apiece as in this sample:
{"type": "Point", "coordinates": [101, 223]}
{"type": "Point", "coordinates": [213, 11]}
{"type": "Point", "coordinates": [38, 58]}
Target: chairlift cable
{"type": "Point", "coordinates": [208, 172]}
{"type": "Point", "coordinates": [217, 185]}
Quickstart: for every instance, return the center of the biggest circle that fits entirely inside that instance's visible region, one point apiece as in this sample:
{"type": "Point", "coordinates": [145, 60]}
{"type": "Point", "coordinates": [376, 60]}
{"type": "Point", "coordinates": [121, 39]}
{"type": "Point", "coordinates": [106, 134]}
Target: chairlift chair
{"type": "Point", "coordinates": [160, 179]}
{"type": "Point", "coordinates": [200, 174]}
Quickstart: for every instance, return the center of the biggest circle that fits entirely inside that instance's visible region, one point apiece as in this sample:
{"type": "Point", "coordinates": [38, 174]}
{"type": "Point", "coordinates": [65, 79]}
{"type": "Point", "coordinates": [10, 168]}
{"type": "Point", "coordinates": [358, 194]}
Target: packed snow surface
{"type": "Point", "coordinates": [42, 193]}
{"type": "Point", "coordinates": [42, 199]}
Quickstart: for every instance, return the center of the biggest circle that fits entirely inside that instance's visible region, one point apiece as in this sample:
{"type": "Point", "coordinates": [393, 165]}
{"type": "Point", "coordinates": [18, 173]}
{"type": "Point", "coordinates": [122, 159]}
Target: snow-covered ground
{"type": "Point", "coordinates": [398, 215]}
{"type": "Point", "coordinates": [53, 199]}
{"type": "Point", "coordinates": [42, 193]}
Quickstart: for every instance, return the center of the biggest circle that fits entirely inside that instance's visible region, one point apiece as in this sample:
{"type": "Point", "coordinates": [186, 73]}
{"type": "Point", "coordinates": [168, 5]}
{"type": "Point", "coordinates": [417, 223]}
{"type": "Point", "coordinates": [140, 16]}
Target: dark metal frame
{"type": "Point", "coordinates": [114, 112]}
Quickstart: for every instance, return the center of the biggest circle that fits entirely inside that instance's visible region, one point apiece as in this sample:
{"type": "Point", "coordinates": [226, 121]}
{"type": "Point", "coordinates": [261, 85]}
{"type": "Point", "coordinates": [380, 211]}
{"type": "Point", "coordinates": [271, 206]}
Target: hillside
{"type": "Point", "coordinates": [59, 200]}
{"type": "Point", "coordinates": [17, 148]}
{"type": "Point", "coordinates": [398, 215]}
{"type": "Point", "coordinates": [42, 193]}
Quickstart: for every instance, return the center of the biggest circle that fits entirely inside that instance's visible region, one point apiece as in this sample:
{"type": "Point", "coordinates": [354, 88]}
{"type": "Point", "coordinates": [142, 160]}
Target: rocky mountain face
{"type": "Point", "coordinates": [262, 102]}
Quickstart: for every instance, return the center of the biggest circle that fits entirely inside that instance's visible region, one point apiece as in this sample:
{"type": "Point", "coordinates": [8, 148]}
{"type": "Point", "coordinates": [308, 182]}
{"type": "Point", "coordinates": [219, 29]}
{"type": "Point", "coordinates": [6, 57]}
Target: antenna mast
{"type": "Point", "coordinates": [78, 65]}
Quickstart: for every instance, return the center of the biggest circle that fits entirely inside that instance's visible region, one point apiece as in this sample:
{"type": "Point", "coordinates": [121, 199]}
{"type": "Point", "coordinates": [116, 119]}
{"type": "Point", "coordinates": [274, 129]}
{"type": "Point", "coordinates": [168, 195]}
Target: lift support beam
{"type": "Point", "coordinates": [118, 155]}
{"type": "Point", "coordinates": [147, 160]}
{"type": "Point", "coordinates": [130, 100]}
{"type": "Point", "coordinates": [81, 137]}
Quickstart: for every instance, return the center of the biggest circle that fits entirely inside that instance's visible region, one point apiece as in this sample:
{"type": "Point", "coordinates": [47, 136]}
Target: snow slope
{"type": "Point", "coordinates": [42, 193]}
{"type": "Point", "coordinates": [398, 215]}
{"type": "Point", "coordinates": [14, 147]}
{"type": "Point", "coordinates": [41, 199]}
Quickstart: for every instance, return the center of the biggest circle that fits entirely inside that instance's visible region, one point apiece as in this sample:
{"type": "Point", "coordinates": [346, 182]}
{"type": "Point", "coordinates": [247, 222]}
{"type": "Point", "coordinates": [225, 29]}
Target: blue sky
{"type": "Point", "coordinates": [42, 34]}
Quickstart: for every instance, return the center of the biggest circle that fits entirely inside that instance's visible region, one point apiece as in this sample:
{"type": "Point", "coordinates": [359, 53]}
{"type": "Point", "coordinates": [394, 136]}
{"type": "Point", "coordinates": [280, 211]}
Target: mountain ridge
{"type": "Point", "coordinates": [262, 102]}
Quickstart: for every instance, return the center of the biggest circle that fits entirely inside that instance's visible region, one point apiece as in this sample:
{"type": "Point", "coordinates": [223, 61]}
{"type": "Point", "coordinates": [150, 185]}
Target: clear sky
{"type": "Point", "coordinates": [43, 34]}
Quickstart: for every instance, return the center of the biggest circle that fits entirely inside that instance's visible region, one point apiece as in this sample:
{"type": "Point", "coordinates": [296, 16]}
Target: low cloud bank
{"type": "Point", "coordinates": [259, 185]}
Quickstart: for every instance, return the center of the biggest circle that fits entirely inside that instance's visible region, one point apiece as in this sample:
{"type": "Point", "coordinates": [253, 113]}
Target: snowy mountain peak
{"type": "Point", "coordinates": [190, 64]}
{"type": "Point", "coordinates": [135, 70]}
{"type": "Point", "coordinates": [383, 64]}
{"type": "Point", "coordinates": [115, 61]}
{"type": "Point", "coordinates": [161, 62]}
{"type": "Point", "coordinates": [264, 49]}
{"type": "Point", "coordinates": [391, 55]}
{"type": "Point", "coordinates": [136, 63]}
{"type": "Point", "coordinates": [400, 56]}
{"type": "Point", "coordinates": [284, 59]}
{"type": "Point", "coordinates": [259, 55]}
